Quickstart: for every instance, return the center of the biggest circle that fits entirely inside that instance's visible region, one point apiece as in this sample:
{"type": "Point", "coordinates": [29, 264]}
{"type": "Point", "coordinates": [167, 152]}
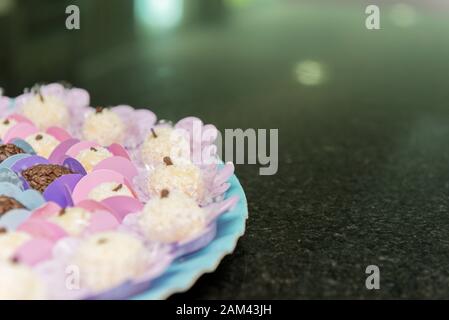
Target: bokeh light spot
{"type": "Point", "coordinates": [159, 14]}
{"type": "Point", "coordinates": [310, 73]}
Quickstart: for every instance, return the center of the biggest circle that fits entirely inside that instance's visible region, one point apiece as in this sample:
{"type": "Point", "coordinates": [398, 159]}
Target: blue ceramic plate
{"type": "Point", "coordinates": [185, 271]}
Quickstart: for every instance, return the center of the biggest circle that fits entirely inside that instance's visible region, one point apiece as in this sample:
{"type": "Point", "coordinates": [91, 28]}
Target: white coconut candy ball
{"type": "Point", "coordinates": [42, 143]}
{"type": "Point", "coordinates": [173, 217]}
{"type": "Point", "coordinates": [186, 178]}
{"type": "Point", "coordinates": [5, 125]}
{"type": "Point", "coordinates": [89, 158]}
{"type": "Point", "coordinates": [19, 282]}
{"type": "Point", "coordinates": [109, 189]}
{"type": "Point", "coordinates": [10, 242]}
{"type": "Point", "coordinates": [46, 111]}
{"type": "Point", "coordinates": [162, 142]}
{"type": "Point", "coordinates": [104, 127]}
{"type": "Point", "coordinates": [73, 220]}
{"type": "Point", "coordinates": [108, 259]}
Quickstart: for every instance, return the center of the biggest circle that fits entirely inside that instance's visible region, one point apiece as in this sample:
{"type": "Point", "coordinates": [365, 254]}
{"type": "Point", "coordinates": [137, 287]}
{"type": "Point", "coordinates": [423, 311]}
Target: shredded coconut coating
{"type": "Point", "coordinates": [108, 259]}
{"type": "Point", "coordinates": [18, 282]}
{"type": "Point", "coordinates": [174, 218]}
{"type": "Point", "coordinates": [163, 142]}
{"type": "Point", "coordinates": [109, 189]}
{"type": "Point", "coordinates": [186, 178]}
{"type": "Point", "coordinates": [89, 158]}
{"type": "Point", "coordinates": [46, 111]}
{"type": "Point", "coordinates": [73, 220]}
{"type": "Point", "coordinates": [43, 143]}
{"type": "Point", "coordinates": [104, 127]}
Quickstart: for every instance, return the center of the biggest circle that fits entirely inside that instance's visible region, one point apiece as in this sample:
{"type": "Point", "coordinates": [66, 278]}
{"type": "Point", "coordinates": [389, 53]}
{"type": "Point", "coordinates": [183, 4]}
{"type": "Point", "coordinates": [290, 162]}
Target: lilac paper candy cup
{"type": "Point", "coordinates": [53, 272]}
{"type": "Point", "coordinates": [187, 246]}
{"type": "Point", "coordinates": [46, 211]}
{"type": "Point", "coordinates": [75, 149]}
{"type": "Point", "coordinates": [35, 251]}
{"type": "Point", "coordinates": [138, 124]}
{"type": "Point", "coordinates": [21, 130]}
{"type": "Point", "coordinates": [6, 105]}
{"type": "Point", "coordinates": [19, 118]}
{"type": "Point", "coordinates": [59, 154]}
{"type": "Point", "coordinates": [74, 98]}
{"type": "Point", "coordinates": [201, 138]}
{"type": "Point", "coordinates": [92, 205]}
{"type": "Point", "coordinates": [11, 161]}
{"type": "Point", "coordinates": [95, 178]}
{"type": "Point", "coordinates": [101, 219]}
{"type": "Point", "coordinates": [118, 164]}
{"type": "Point", "coordinates": [77, 101]}
{"type": "Point", "coordinates": [214, 174]}
{"type": "Point", "coordinates": [60, 191]}
{"type": "Point", "coordinates": [59, 133]}
{"type": "Point", "coordinates": [119, 151]}
{"type": "Point", "coordinates": [214, 210]}
{"type": "Point", "coordinates": [39, 228]}
{"type": "Point", "coordinates": [74, 166]}
{"type": "Point", "coordinates": [28, 162]}
{"type": "Point", "coordinates": [177, 249]}
{"type": "Point", "coordinates": [122, 206]}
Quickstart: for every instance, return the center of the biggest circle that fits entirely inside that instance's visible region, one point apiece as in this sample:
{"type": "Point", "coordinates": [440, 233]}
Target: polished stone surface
{"type": "Point", "coordinates": [363, 119]}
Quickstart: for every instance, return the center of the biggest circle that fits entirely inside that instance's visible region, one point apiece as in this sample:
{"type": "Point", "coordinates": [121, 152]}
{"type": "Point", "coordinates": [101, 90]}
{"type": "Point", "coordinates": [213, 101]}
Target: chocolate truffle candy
{"type": "Point", "coordinates": [41, 176]}
{"type": "Point", "coordinates": [7, 204]}
{"type": "Point", "coordinates": [8, 150]}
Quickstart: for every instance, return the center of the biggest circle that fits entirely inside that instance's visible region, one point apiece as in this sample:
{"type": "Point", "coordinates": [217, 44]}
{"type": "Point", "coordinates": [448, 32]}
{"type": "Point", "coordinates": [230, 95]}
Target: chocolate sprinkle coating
{"type": "Point", "coordinates": [99, 110]}
{"type": "Point", "coordinates": [165, 193]}
{"type": "Point", "coordinates": [153, 132]}
{"type": "Point", "coordinates": [102, 241]}
{"type": "Point", "coordinates": [8, 150]}
{"type": "Point", "coordinates": [14, 260]}
{"type": "Point", "coordinates": [118, 188]}
{"type": "Point", "coordinates": [7, 204]}
{"type": "Point", "coordinates": [168, 161]}
{"type": "Point", "coordinates": [41, 176]}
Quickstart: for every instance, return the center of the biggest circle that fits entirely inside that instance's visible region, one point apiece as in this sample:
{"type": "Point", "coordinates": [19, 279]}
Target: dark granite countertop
{"type": "Point", "coordinates": [363, 154]}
